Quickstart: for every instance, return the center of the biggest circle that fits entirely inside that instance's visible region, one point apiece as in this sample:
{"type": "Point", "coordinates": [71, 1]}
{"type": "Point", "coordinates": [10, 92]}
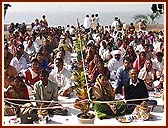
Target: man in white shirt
{"type": "Point", "coordinates": [19, 62]}
{"type": "Point", "coordinates": [30, 49]}
{"type": "Point", "coordinates": [61, 76]}
{"type": "Point", "coordinates": [115, 24]}
{"type": "Point", "coordinates": [158, 62]}
{"type": "Point", "coordinates": [87, 23]}
{"type": "Point", "coordinates": [115, 63]}
{"type": "Point", "coordinates": [158, 65]}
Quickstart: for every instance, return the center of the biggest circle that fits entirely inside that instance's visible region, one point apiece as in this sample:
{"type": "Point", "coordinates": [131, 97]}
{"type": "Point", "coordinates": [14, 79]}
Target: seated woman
{"type": "Point", "coordinates": [131, 53]}
{"type": "Point", "coordinates": [147, 73]}
{"type": "Point", "coordinates": [17, 90]}
{"type": "Point", "coordinates": [93, 63]}
{"type": "Point", "coordinates": [99, 69]}
{"type": "Point", "coordinates": [139, 62]}
{"type": "Point", "coordinates": [31, 75]}
{"type": "Point", "coordinates": [91, 50]}
{"type": "Point", "coordinates": [104, 91]}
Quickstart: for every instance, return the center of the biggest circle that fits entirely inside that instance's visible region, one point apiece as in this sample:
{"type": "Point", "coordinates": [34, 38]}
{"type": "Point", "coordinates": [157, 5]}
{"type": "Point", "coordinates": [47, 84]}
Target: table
{"type": "Point", "coordinates": [158, 113]}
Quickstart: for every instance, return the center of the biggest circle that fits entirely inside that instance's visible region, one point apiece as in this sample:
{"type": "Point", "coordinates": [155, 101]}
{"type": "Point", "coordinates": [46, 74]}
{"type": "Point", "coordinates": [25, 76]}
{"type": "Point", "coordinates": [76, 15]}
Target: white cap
{"type": "Point", "coordinates": [116, 52]}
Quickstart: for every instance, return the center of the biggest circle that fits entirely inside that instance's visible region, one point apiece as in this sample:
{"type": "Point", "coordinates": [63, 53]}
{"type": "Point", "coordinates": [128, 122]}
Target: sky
{"type": "Point", "coordinates": [27, 11]}
{"type": "Point", "coordinates": [79, 6]}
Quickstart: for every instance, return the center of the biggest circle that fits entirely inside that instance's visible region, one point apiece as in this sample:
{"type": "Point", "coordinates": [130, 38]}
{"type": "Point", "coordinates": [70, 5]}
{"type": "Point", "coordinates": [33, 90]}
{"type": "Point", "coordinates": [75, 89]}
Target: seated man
{"type": "Point", "coordinates": [61, 76]}
{"type": "Point", "coordinates": [135, 88]}
{"type": "Point", "coordinates": [45, 89]}
{"type": "Point", "coordinates": [114, 63]}
{"type": "Point", "coordinates": [122, 75]}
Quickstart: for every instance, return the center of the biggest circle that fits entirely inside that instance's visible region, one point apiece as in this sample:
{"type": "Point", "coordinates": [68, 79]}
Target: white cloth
{"type": "Point", "coordinates": [114, 24]}
{"type": "Point", "coordinates": [30, 50]}
{"type": "Point", "coordinates": [87, 22]}
{"type": "Point", "coordinates": [135, 84]}
{"type": "Point", "coordinates": [67, 60]}
{"type": "Point", "coordinates": [38, 43]}
{"type": "Point", "coordinates": [123, 51]}
{"type": "Point", "coordinates": [114, 52]}
{"type": "Point", "coordinates": [113, 65]}
{"type": "Point", "coordinates": [101, 51]}
{"type": "Point", "coordinates": [20, 64]}
{"type": "Point", "coordinates": [158, 65]}
{"type": "Point", "coordinates": [62, 78]}
{"type": "Point", "coordinates": [106, 54]}
{"type": "Point", "coordinates": [140, 48]}
{"type": "Point", "coordinates": [156, 45]}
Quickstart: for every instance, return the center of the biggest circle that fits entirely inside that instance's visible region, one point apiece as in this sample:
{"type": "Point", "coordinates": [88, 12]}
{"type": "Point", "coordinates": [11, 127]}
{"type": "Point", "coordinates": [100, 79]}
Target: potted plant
{"type": "Point", "coordinates": [83, 102]}
{"type": "Point", "coordinates": [81, 82]}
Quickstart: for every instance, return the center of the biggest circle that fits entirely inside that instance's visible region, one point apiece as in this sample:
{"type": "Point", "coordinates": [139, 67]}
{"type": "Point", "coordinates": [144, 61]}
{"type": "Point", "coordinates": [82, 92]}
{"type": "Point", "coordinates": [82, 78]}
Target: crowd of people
{"type": "Point", "coordinates": [119, 59]}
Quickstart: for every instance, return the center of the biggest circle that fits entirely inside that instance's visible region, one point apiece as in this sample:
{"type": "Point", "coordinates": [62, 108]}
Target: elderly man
{"type": "Point", "coordinates": [135, 88]}
{"type": "Point", "coordinates": [114, 63]}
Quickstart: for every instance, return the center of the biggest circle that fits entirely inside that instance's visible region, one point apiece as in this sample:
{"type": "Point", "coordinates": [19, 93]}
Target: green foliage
{"type": "Point", "coordinates": [79, 78]}
{"type": "Point", "coordinates": [80, 84]}
{"type": "Point", "coordinates": [78, 48]}
{"type": "Point", "coordinates": [103, 111]}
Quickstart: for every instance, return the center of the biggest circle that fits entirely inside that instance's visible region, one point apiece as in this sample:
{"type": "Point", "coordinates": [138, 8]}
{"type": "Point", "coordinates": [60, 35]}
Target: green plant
{"type": "Point", "coordinates": [80, 84]}
{"type": "Point", "coordinates": [82, 92]}
{"type": "Point", "coordinates": [81, 79]}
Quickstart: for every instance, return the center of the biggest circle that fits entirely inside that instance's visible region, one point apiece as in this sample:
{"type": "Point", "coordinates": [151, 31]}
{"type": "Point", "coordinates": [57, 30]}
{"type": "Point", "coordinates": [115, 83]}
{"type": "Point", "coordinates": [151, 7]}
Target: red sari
{"type": "Point", "coordinates": [17, 93]}
{"type": "Point", "coordinates": [31, 77]}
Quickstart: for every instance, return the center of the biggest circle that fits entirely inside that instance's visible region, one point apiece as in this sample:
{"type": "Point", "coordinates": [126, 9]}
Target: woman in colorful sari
{"type": "Point", "coordinates": [139, 62]}
{"type": "Point", "coordinates": [99, 69]}
{"type": "Point", "coordinates": [17, 90]}
{"type": "Point", "coordinates": [31, 75]}
{"type": "Point", "coordinates": [147, 73]}
{"type": "Point", "coordinates": [93, 63]}
{"type": "Point", "coordinates": [103, 91]}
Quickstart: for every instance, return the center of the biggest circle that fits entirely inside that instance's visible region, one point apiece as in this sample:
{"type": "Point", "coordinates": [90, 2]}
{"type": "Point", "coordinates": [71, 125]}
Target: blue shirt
{"type": "Point", "coordinates": [122, 76]}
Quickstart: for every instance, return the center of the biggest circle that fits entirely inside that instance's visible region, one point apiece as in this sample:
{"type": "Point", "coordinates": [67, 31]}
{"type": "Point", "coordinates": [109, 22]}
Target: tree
{"type": "Point", "coordinates": [138, 18]}
{"type": "Point", "coordinates": [5, 8]}
{"type": "Point", "coordinates": [157, 11]}
{"type": "Point", "coordinates": [153, 17]}
{"type": "Point", "coordinates": [148, 19]}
